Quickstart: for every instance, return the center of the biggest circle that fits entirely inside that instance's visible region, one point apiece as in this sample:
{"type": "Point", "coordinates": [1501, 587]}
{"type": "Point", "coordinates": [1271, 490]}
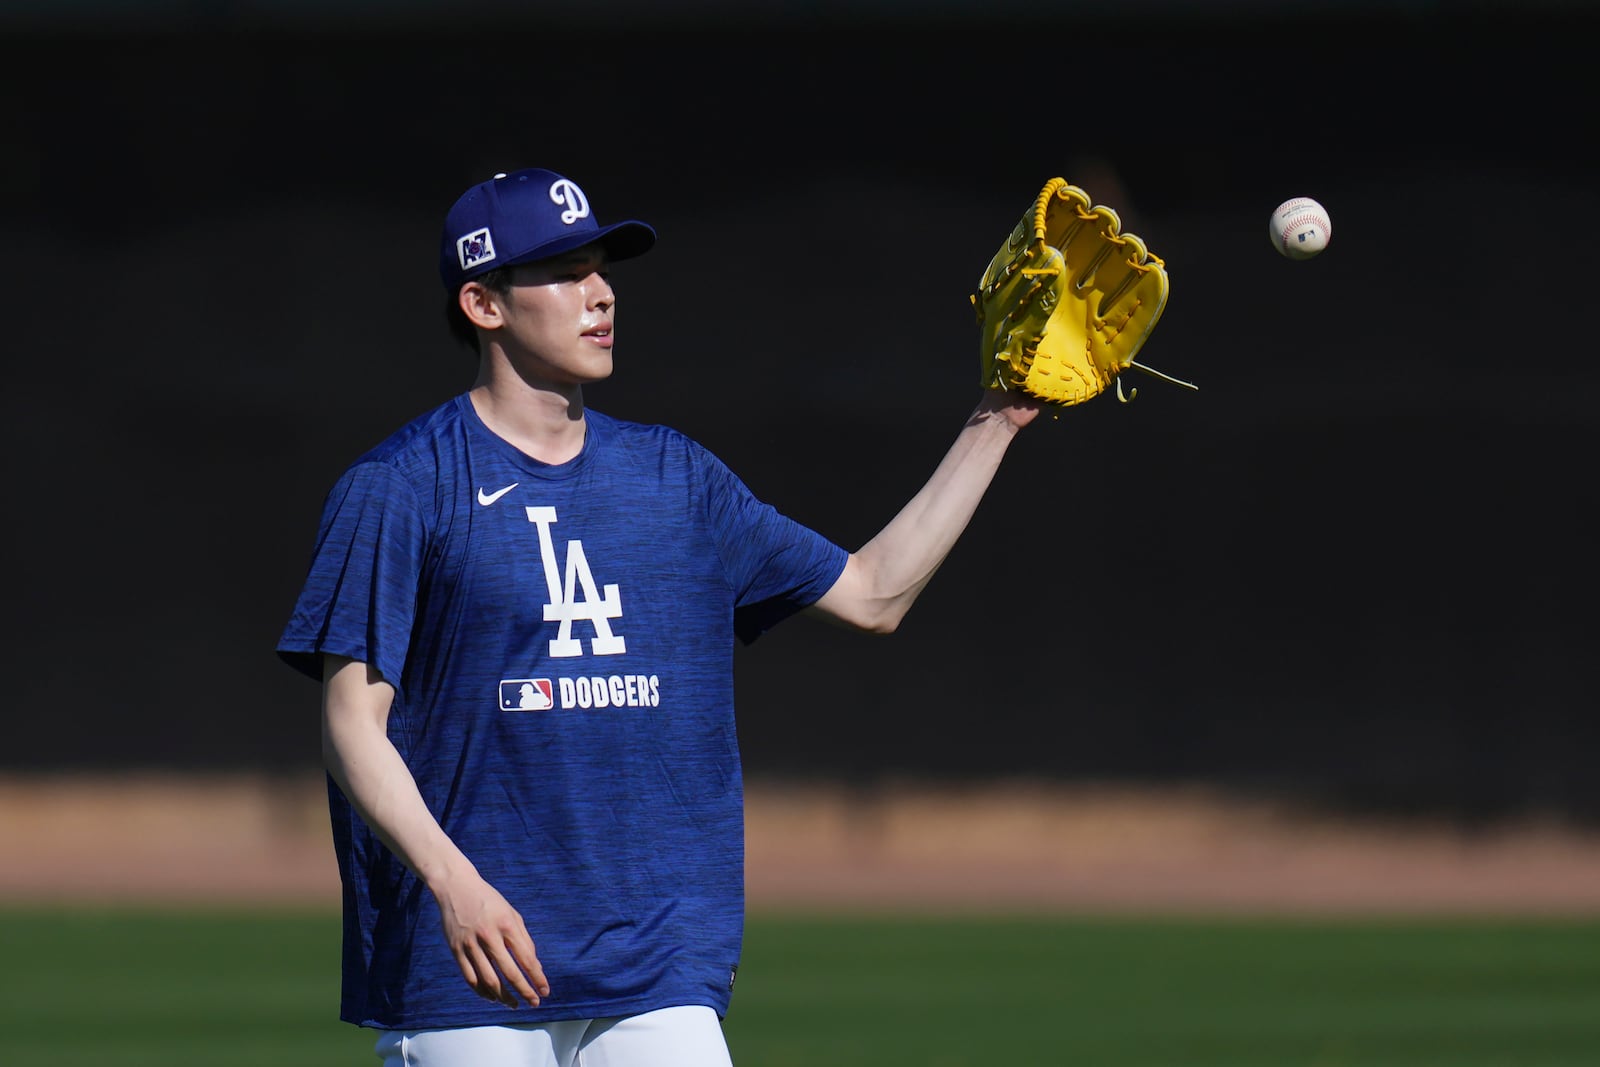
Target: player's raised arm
{"type": "Point", "coordinates": [486, 935]}
{"type": "Point", "coordinates": [1063, 307]}
{"type": "Point", "coordinates": [883, 578]}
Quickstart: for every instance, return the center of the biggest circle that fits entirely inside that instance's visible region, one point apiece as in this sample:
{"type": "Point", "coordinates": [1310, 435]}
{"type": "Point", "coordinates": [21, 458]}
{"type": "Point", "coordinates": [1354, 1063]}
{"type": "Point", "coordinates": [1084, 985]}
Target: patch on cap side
{"type": "Point", "coordinates": [475, 248]}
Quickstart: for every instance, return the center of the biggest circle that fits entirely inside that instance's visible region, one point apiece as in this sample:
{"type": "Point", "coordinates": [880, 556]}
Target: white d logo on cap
{"type": "Point", "coordinates": [568, 195]}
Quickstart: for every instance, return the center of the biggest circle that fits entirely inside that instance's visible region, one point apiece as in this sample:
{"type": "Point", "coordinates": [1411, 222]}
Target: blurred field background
{"type": "Point", "coordinates": [204, 988]}
{"type": "Point", "coordinates": [1282, 750]}
{"type": "Point", "coordinates": [176, 922]}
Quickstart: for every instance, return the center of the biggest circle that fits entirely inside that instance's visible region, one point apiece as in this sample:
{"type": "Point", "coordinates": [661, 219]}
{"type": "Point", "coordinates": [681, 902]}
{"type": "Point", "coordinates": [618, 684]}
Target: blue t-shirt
{"type": "Point", "coordinates": [560, 639]}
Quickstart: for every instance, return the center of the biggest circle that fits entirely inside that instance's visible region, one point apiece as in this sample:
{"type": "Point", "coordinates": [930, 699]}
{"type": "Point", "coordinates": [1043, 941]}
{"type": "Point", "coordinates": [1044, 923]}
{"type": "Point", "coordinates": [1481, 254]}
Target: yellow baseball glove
{"type": "Point", "coordinates": [1068, 301]}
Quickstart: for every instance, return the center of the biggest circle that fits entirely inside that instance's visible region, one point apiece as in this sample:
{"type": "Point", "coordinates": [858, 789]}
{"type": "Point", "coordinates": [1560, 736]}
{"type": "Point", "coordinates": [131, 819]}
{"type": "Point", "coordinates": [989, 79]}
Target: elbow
{"type": "Point", "coordinates": [333, 755]}
{"type": "Point", "coordinates": [331, 760]}
{"type": "Point", "coordinates": [882, 621]}
{"type": "Point", "coordinates": [873, 618]}
{"type": "Point", "coordinates": [862, 601]}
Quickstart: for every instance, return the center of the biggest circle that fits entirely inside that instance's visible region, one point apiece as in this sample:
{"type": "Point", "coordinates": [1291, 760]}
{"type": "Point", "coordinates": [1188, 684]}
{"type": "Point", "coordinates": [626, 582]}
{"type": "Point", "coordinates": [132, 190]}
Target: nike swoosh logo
{"type": "Point", "coordinates": [489, 498]}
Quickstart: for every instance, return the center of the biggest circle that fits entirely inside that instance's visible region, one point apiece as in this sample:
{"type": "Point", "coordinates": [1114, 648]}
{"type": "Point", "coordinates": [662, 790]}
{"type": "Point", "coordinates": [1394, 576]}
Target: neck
{"type": "Point", "coordinates": [545, 422]}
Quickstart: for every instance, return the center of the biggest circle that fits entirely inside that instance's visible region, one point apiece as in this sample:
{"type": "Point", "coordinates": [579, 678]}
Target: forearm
{"type": "Point", "coordinates": [370, 771]}
{"type": "Point", "coordinates": [486, 935]}
{"type": "Point", "coordinates": [903, 557]}
{"type": "Point", "coordinates": [887, 574]}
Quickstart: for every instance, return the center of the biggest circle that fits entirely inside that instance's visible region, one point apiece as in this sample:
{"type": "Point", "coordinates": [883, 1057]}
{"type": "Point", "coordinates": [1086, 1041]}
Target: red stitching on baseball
{"type": "Point", "coordinates": [1290, 224]}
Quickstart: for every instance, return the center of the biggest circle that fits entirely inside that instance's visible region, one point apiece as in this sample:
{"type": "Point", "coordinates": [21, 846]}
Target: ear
{"type": "Point", "coordinates": [480, 305]}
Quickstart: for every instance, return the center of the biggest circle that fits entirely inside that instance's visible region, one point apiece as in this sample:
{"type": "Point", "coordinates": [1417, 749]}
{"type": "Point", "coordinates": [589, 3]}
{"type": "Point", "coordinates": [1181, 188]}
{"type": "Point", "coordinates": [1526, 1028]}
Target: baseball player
{"type": "Point", "coordinates": [523, 613]}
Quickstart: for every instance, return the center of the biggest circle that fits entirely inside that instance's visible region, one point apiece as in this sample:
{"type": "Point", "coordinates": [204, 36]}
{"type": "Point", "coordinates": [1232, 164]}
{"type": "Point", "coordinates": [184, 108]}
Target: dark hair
{"type": "Point", "coordinates": [461, 327]}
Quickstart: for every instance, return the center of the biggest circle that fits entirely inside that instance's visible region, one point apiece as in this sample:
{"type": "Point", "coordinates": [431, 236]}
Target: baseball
{"type": "Point", "coordinates": [1300, 228]}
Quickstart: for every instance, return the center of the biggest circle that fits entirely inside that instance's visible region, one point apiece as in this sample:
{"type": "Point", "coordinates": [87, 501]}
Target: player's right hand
{"type": "Point", "coordinates": [490, 942]}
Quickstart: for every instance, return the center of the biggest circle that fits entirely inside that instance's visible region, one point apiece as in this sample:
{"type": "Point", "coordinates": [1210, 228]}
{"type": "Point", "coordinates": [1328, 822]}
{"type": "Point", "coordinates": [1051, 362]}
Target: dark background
{"type": "Point", "coordinates": [1354, 568]}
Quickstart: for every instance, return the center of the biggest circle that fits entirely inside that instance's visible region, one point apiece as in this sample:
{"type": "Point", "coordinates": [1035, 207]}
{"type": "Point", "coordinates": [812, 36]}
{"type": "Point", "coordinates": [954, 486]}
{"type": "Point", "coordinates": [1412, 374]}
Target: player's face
{"type": "Point", "coordinates": [557, 318]}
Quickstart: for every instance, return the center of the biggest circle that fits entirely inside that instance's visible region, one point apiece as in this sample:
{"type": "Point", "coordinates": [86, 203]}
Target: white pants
{"type": "Point", "coordinates": [671, 1037]}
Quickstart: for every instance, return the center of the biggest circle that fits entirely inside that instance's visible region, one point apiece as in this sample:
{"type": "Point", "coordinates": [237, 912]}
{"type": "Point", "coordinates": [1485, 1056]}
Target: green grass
{"type": "Point", "coordinates": [216, 988]}
{"type": "Point", "coordinates": [211, 988]}
{"type": "Point", "coordinates": [1148, 993]}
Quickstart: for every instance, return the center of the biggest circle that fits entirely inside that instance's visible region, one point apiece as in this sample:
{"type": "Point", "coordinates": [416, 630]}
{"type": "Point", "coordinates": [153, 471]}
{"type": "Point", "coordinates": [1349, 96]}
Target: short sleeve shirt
{"type": "Point", "coordinates": [560, 640]}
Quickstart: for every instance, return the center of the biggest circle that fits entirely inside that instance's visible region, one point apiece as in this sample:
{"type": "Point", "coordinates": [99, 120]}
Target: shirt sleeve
{"type": "Point", "coordinates": [360, 593]}
{"type": "Point", "coordinates": [775, 565]}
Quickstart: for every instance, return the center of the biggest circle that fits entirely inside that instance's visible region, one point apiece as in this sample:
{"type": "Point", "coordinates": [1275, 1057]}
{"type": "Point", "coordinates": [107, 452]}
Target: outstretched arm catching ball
{"type": "Point", "coordinates": [883, 578]}
{"type": "Point", "coordinates": [1063, 308]}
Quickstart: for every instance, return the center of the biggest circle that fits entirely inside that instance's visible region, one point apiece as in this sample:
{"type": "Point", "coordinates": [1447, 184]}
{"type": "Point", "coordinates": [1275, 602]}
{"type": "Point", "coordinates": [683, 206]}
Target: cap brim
{"type": "Point", "coordinates": [621, 240]}
{"type": "Point", "coordinates": [624, 240]}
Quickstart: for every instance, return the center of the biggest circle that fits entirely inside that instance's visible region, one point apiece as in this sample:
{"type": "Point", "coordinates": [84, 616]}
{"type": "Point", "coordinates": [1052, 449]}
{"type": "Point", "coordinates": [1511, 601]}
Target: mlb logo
{"type": "Point", "coordinates": [527, 694]}
{"type": "Point", "coordinates": [476, 247]}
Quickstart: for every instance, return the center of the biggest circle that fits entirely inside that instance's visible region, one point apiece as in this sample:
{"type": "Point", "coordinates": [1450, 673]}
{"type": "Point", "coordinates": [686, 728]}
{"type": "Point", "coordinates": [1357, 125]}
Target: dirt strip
{"type": "Point", "coordinates": [1010, 846]}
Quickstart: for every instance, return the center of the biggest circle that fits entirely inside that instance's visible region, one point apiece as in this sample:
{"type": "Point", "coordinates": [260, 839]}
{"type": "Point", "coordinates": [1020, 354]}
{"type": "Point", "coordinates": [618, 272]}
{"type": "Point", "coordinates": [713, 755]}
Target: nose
{"type": "Point", "coordinates": [599, 291]}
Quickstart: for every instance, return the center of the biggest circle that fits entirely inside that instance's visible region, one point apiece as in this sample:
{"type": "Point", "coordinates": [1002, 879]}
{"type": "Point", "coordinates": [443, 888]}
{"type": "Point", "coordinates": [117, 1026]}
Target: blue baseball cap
{"type": "Point", "coordinates": [523, 216]}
